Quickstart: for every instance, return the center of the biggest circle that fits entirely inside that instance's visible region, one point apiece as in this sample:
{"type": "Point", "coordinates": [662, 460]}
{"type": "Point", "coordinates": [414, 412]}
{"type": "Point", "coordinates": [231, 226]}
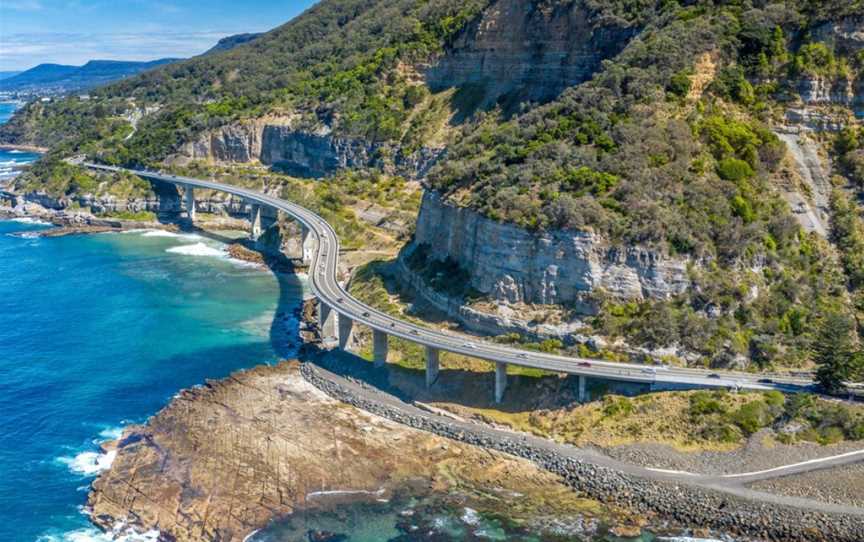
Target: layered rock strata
{"type": "Point", "coordinates": [513, 265]}
{"type": "Point", "coordinates": [530, 50]}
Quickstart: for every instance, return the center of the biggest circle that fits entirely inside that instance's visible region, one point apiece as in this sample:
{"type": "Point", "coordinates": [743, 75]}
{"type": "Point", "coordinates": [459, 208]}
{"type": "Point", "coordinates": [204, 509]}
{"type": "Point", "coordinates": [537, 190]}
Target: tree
{"type": "Point", "coordinates": [834, 352]}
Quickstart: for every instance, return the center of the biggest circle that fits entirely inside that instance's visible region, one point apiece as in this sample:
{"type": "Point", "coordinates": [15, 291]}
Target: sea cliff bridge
{"type": "Point", "coordinates": [338, 312]}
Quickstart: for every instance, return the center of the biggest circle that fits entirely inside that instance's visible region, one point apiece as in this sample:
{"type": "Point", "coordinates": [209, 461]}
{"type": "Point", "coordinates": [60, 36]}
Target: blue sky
{"type": "Point", "coordinates": [75, 31]}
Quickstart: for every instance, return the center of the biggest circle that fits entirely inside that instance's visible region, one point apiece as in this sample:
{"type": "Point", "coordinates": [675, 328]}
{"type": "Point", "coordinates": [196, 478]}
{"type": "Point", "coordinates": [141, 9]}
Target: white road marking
{"type": "Point", "coordinates": [766, 471]}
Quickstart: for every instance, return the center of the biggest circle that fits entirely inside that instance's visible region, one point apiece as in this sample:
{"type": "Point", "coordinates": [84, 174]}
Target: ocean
{"type": "Point", "coordinates": [100, 331]}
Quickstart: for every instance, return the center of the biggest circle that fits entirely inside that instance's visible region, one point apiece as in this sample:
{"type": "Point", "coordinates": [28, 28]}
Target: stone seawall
{"type": "Point", "coordinates": [513, 265]}
{"type": "Point", "coordinates": [682, 504]}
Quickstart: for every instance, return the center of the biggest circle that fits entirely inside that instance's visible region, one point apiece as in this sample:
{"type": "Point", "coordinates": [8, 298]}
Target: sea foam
{"type": "Point", "coordinates": [29, 220]}
{"type": "Point", "coordinates": [95, 535]}
{"type": "Point", "coordinates": [198, 249]}
{"type": "Point", "coordinates": [89, 463]}
{"type": "Point", "coordinates": [170, 234]}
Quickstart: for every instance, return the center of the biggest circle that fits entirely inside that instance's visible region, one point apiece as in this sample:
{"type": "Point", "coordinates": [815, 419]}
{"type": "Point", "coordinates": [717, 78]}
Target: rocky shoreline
{"type": "Point", "coordinates": [228, 458]}
{"type": "Point", "coordinates": [681, 504]}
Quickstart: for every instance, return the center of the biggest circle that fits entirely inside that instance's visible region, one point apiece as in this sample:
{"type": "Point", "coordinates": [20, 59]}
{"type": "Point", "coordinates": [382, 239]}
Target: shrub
{"type": "Point", "coordinates": [774, 398]}
{"type": "Point", "coordinates": [831, 435]}
{"type": "Point", "coordinates": [617, 406]}
{"type": "Point", "coordinates": [703, 403]}
{"type": "Point", "coordinates": [680, 83]}
{"type": "Point", "coordinates": [733, 169]}
{"type": "Point", "coordinates": [752, 417]}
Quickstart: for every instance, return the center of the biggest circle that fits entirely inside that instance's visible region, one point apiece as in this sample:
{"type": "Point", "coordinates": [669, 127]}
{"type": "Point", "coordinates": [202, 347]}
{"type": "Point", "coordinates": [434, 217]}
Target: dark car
{"type": "Point", "coordinates": [766, 381]}
{"type": "Point", "coordinates": [713, 375]}
{"type": "Point", "coordinates": [583, 364]}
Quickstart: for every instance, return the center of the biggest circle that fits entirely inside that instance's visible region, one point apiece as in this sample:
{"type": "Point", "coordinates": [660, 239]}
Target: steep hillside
{"type": "Point", "coordinates": [671, 178]}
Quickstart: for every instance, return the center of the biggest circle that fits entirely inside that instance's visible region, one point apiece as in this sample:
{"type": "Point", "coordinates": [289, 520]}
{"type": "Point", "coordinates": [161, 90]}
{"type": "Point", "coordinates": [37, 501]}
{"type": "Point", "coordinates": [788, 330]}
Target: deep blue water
{"type": "Point", "coordinates": [102, 330]}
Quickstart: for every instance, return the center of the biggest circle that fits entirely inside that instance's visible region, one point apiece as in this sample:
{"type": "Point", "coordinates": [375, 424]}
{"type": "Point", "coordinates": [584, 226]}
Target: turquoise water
{"type": "Point", "coordinates": [99, 331]}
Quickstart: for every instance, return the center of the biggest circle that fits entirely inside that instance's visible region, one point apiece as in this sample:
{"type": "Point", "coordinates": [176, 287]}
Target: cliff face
{"type": "Point", "coordinates": [302, 153]}
{"type": "Point", "coordinates": [844, 36]}
{"type": "Point", "coordinates": [513, 265]}
{"type": "Point", "coordinates": [530, 50]}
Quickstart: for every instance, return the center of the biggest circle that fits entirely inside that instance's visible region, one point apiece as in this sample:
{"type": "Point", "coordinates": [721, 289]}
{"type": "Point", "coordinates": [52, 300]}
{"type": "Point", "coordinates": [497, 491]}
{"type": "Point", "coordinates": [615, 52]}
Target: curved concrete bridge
{"type": "Point", "coordinates": [339, 312]}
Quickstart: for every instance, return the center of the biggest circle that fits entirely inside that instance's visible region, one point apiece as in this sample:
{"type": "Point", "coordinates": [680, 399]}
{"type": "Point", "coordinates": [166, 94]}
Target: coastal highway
{"type": "Point", "coordinates": [323, 281]}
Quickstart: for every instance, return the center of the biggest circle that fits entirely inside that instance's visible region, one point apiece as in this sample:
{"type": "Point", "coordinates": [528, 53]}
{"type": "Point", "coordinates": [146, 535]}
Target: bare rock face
{"type": "Point", "coordinates": [299, 151]}
{"type": "Point", "coordinates": [845, 36]}
{"type": "Point", "coordinates": [535, 51]}
{"type": "Point", "coordinates": [235, 143]}
{"type": "Point", "coordinates": [513, 265]}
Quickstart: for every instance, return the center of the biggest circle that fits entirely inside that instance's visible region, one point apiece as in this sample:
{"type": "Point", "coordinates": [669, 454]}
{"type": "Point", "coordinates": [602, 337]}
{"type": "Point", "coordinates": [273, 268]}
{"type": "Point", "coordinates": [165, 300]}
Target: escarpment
{"type": "Point", "coordinates": [513, 265]}
{"type": "Point", "coordinates": [530, 50]}
{"type": "Point", "coordinates": [302, 152]}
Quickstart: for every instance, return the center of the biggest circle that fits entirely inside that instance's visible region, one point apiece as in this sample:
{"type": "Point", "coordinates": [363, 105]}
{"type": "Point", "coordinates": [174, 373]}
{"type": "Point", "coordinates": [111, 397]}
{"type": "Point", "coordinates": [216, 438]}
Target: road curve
{"type": "Point", "coordinates": [325, 286]}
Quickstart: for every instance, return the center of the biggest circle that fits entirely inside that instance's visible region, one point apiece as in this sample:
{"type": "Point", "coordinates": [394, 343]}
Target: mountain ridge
{"type": "Point", "coordinates": [60, 77]}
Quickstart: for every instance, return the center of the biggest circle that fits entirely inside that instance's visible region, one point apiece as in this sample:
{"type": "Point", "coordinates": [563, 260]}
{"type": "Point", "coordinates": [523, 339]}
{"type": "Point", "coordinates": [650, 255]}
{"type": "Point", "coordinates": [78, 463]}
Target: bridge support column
{"type": "Point", "coordinates": [190, 203]}
{"type": "Point", "coordinates": [345, 326]}
{"type": "Point", "coordinates": [305, 250]}
{"type": "Point", "coordinates": [255, 220]}
{"type": "Point", "coordinates": [379, 348]}
{"type": "Point", "coordinates": [431, 366]}
{"type": "Point", "coordinates": [326, 321]}
{"type": "Point", "coordinates": [500, 380]}
{"type": "Point", "coordinates": [581, 394]}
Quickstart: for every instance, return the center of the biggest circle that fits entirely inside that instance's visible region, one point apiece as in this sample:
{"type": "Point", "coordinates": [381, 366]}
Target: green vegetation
{"type": "Point", "coordinates": [691, 421]}
{"type": "Point", "coordinates": [138, 216]}
{"type": "Point", "coordinates": [836, 355]}
{"type": "Point", "coordinates": [668, 145]}
{"type": "Point", "coordinates": [339, 63]}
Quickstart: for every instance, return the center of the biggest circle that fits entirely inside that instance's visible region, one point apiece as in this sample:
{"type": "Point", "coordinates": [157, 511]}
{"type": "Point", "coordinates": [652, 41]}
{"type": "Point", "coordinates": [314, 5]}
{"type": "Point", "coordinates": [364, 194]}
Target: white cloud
{"type": "Point", "coordinates": [23, 5]}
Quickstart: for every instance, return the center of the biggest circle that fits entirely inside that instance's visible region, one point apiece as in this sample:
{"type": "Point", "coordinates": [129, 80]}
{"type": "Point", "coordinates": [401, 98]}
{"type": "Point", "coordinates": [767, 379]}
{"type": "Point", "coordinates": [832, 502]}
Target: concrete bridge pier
{"type": "Point", "coordinates": [189, 196]}
{"type": "Point", "coordinates": [379, 348]}
{"type": "Point", "coordinates": [500, 380]}
{"type": "Point", "coordinates": [432, 365]}
{"type": "Point", "coordinates": [326, 321]}
{"type": "Point", "coordinates": [305, 249]}
{"type": "Point", "coordinates": [581, 397]}
{"type": "Point", "coordinates": [346, 325]}
{"type": "Point", "coordinates": [255, 220]}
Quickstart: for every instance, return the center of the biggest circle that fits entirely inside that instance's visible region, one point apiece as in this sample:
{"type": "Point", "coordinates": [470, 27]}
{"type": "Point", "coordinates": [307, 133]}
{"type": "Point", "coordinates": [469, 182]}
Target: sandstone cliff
{"type": "Point", "coordinates": [301, 152]}
{"type": "Point", "coordinates": [513, 265]}
{"type": "Point", "coordinates": [531, 50]}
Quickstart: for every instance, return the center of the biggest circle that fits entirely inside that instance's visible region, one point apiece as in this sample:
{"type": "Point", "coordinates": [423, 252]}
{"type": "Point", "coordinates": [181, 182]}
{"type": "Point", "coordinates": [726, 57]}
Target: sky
{"type": "Point", "coordinates": [74, 31]}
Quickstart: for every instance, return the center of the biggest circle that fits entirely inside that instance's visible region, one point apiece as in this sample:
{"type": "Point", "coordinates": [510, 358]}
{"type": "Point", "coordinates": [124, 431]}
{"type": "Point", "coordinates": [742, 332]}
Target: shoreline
{"type": "Point", "coordinates": [25, 148]}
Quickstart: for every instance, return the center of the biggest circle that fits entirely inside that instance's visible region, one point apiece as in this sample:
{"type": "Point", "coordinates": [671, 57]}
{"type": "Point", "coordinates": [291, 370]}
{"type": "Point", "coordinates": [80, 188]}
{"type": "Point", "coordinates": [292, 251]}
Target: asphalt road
{"type": "Point", "coordinates": [326, 287]}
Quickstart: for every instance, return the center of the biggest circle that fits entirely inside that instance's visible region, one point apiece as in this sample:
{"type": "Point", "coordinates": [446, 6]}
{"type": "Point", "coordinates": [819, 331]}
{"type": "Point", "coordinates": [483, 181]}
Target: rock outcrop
{"type": "Point", "coordinates": [227, 458]}
{"type": "Point", "coordinates": [529, 50]}
{"type": "Point", "coordinates": [277, 143]}
{"type": "Point", "coordinates": [513, 265]}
